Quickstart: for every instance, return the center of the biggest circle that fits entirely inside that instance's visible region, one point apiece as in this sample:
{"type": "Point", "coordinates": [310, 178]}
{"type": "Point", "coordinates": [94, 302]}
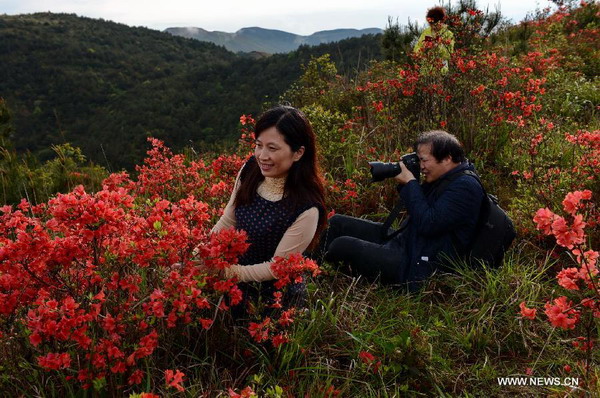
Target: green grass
{"type": "Point", "coordinates": [453, 338]}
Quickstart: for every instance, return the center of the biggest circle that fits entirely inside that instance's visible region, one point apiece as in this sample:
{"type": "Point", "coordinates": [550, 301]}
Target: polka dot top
{"type": "Point", "coordinates": [265, 222]}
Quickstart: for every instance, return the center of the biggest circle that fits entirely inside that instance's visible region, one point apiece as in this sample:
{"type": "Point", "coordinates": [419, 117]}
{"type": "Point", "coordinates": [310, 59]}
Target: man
{"type": "Point", "coordinates": [443, 214]}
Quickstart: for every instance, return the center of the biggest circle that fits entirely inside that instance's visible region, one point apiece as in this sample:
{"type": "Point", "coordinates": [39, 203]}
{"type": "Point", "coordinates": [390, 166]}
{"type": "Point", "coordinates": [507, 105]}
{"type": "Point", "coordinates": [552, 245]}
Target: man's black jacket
{"type": "Point", "coordinates": [440, 223]}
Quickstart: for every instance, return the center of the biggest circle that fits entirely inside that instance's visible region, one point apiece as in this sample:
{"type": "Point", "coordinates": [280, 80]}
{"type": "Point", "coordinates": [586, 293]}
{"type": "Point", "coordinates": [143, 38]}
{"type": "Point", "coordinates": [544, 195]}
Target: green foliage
{"type": "Point", "coordinates": [26, 177]}
{"type": "Point", "coordinates": [332, 141]}
{"type": "Point", "coordinates": [471, 25]}
{"type": "Point", "coordinates": [321, 84]}
{"type": "Point", "coordinates": [397, 40]}
{"type": "Point", "coordinates": [6, 128]}
{"type": "Point", "coordinates": [316, 78]}
{"type": "Point", "coordinates": [22, 176]}
{"type": "Point", "coordinates": [105, 87]}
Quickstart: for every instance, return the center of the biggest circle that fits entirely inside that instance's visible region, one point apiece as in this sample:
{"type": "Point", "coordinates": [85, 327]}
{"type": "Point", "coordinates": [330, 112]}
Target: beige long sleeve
{"type": "Point", "coordinates": [227, 220]}
{"type": "Point", "coordinates": [295, 240]}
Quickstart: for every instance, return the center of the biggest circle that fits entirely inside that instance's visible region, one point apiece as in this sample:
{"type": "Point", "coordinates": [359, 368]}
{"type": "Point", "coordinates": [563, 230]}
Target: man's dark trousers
{"type": "Point", "coordinates": [360, 244]}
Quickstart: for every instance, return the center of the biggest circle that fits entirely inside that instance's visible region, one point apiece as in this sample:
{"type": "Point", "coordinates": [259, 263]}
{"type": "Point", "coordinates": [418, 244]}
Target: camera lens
{"type": "Point", "coordinates": [380, 170]}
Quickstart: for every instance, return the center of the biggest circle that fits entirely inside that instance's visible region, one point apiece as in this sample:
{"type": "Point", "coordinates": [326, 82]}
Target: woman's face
{"type": "Point", "coordinates": [275, 157]}
{"type": "Point", "coordinates": [434, 25]}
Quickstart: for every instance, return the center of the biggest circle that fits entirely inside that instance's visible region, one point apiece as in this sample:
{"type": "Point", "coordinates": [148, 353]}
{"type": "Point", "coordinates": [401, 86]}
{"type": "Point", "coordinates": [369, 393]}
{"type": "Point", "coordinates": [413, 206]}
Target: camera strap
{"type": "Point", "coordinates": [390, 220]}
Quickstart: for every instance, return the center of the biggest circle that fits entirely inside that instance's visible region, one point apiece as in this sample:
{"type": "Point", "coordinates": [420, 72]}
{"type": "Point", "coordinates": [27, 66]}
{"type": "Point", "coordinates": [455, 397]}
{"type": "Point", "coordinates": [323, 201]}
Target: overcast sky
{"type": "Point", "coordinates": [300, 17]}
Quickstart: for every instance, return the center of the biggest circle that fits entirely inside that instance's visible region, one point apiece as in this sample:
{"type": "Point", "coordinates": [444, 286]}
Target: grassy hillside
{"type": "Point", "coordinates": [105, 87]}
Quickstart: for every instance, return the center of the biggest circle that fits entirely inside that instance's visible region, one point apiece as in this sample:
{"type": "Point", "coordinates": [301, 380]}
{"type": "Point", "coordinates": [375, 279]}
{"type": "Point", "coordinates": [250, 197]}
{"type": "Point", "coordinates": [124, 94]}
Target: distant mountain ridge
{"type": "Point", "coordinates": [268, 40]}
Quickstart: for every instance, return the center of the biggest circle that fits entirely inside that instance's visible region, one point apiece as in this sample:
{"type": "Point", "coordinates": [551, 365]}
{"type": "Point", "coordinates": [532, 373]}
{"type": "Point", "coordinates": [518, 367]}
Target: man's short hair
{"type": "Point", "coordinates": [436, 14]}
{"type": "Point", "coordinates": [443, 144]}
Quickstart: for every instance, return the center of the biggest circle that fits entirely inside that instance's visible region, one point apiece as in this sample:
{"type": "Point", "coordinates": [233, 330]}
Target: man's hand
{"type": "Point", "coordinates": [405, 176]}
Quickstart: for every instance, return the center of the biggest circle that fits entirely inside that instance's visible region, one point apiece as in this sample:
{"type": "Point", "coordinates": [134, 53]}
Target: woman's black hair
{"type": "Point", "coordinates": [304, 185]}
{"type": "Point", "coordinates": [443, 144]}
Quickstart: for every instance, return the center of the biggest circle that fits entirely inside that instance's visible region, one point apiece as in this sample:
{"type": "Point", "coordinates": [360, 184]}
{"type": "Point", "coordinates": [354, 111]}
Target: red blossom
{"type": "Point", "coordinates": [528, 313]}
{"type": "Point", "coordinates": [286, 317]}
{"type": "Point", "coordinates": [561, 313]}
{"type": "Point", "coordinates": [206, 323]}
{"type": "Point", "coordinates": [136, 377]}
{"type": "Point", "coordinates": [260, 331]}
{"type": "Point", "coordinates": [529, 371]}
{"type": "Point", "coordinates": [572, 201]}
{"type": "Point", "coordinates": [366, 357]}
{"type": "Point", "coordinates": [588, 259]}
{"type": "Point", "coordinates": [54, 361]}
{"type": "Point", "coordinates": [279, 339]}
{"type": "Point", "coordinates": [568, 277]}
{"type": "Point", "coordinates": [583, 344]}
{"type": "Point", "coordinates": [370, 360]}
{"type": "Point", "coordinates": [544, 219]}
{"type": "Point", "coordinates": [174, 379]}
{"type": "Point", "coordinates": [247, 392]}
{"type": "Point", "coordinates": [568, 236]}
{"type": "Point", "coordinates": [331, 391]}
{"type": "Point", "coordinates": [289, 270]}
{"type": "Point", "coordinates": [246, 119]}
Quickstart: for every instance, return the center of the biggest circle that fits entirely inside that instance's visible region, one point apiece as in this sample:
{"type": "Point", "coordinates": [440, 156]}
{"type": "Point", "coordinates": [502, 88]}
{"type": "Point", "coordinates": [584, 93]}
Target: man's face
{"type": "Point", "coordinates": [431, 168]}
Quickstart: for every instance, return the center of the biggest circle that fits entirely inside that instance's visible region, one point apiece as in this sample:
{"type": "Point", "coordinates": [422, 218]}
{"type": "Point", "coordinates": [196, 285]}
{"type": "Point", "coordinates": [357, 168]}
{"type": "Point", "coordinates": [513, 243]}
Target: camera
{"type": "Point", "coordinates": [380, 170]}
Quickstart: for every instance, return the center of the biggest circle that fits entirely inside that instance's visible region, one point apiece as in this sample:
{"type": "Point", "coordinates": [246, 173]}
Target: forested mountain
{"type": "Point", "coordinates": [105, 87]}
{"type": "Point", "coordinates": [268, 40]}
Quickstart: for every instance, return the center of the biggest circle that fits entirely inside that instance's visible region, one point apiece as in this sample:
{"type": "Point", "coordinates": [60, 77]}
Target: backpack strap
{"type": "Point", "coordinates": [437, 190]}
{"type": "Point", "coordinates": [443, 184]}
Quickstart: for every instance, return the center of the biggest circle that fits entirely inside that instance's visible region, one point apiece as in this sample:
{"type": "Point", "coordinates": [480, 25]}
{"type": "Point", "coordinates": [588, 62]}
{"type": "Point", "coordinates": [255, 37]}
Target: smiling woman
{"type": "Point", "coordinates": [278, 199]}
{"type": "Point", "coordinates": [275, 157]}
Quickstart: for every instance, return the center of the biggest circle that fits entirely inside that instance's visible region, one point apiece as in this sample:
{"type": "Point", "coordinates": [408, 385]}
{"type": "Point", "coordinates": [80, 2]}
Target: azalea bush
{"type": "Point", "coordinates": [88, 281]}
{"type": "Point", "coordinates": [577, 310]}
{"type": "Point", "coordinates": [557, 153]}
{"type": "Point", "coordinates": [487, 99]}
{"type": "Point", "coordinates": [557, 163]}
{"type": "Point", "coordinates": [91, 284]}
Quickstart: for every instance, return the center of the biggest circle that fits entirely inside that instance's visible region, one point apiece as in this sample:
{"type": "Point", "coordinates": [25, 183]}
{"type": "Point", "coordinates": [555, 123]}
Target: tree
{"type": "Point", "coordinates": [6, 129]}
{"type": "Point", "coordinates": [396, 41]}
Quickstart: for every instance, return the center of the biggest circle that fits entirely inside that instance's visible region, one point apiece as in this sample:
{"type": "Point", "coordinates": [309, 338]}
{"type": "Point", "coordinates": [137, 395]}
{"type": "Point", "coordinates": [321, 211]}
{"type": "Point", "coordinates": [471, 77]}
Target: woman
{"type": "Point", "coordinates": [278, 199]}
{"type": "Point", "coordinates": [436, 43]}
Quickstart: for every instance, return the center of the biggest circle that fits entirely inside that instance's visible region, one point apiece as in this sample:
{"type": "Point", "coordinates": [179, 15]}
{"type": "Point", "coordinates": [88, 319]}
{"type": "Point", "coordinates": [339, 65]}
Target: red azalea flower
{"type": "Point", "coordinates": [561, 314]}
{"type": "Point", "coordinates": [528, 313]}
{"type": "Point", "coordinates": [366, 357]}
{"type": "Point", "coordinates": [174, 379]}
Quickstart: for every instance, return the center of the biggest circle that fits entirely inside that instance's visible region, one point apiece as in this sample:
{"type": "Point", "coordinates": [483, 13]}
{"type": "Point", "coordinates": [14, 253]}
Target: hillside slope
{"type": "Point", "coordinates": [105, 86]}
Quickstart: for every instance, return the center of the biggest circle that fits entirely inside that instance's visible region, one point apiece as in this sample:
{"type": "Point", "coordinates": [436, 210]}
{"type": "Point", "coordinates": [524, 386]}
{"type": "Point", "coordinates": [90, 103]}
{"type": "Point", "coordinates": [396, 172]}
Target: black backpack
{"type": "Point", "coordinates": [494, 232]}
